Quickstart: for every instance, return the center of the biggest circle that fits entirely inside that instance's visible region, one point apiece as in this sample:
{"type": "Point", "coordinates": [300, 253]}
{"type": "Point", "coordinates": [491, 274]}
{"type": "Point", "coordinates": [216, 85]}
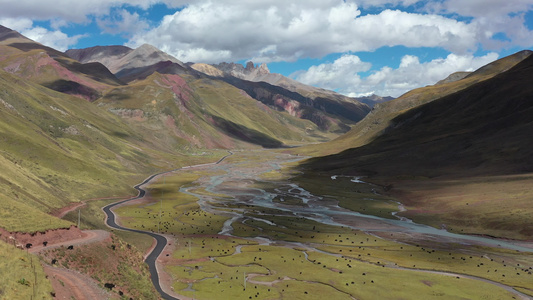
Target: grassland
{"type": "Point", "coordinates": [57, 149]}
{"type": "Point", "coordinates": [21, 275]}
{"type": "Point", "coordinates": [495, 206]}
{"type": "Point", "coordinates": [273, 254]}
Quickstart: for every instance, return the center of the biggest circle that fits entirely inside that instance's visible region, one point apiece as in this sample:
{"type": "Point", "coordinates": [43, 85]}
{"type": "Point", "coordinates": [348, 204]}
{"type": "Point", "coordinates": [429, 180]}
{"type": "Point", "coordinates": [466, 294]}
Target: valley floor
{"type": "Point", "coordinates": [246, 228]}
{"type": "Point", "coordinates": [254, 227]}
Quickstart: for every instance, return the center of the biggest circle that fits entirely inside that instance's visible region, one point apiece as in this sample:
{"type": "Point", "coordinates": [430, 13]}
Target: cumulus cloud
{"type": "Point", "coordinates": [479, 8]}
{"type": "Point", "coordinates": [387, 81]}
{"type": "Point", "coordinates": [277, 30]}
{"type": "Point", "coordinates": [122, 22]}
{"type": "Point", "coordinates": [381, 3]}
{"type": "Point", "coordinates": [72, 11]}
{"type": "Point", "coordinates": [274, 31]}
{"type": "Point", "coordinates": [60, 13]}
{"type": "Point", "coordinates": [51, 38]}
{"type": "Point", "coordinates": [491, 17]}
{"type": "Point", "coordinates": [54, 39]}
{"type": "Point", "coordinates": [18, 24]}
{"type": "Point", "coordinates": [343, 72]}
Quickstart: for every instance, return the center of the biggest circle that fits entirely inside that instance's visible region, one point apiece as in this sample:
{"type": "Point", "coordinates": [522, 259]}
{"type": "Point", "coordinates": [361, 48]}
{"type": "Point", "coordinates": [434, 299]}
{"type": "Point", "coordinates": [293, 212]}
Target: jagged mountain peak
{"type": "Point", "coordinates": [251, 72]}
{"type": "Point", "coordinates": [262, 68]}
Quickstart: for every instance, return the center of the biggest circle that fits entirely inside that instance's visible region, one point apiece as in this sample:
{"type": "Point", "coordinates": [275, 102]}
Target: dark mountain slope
{"type": "Point", "coordinates": [463, 162]}
{"type": "Point", "coordinates": [381, 115]}
{"type": "Point", "coordinates": [484, 129]}
{"type": "Point", "coordinates": [163, 67]}
{"type": "Point", "coordinates": [327, 113]}
{"type": "Point", "coordinates": [98, 53]}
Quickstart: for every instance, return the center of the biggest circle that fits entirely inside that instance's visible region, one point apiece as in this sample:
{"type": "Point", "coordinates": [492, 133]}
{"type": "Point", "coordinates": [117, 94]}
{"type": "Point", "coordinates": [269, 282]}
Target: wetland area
{"type": "Point", "coordinates": [253, 227]}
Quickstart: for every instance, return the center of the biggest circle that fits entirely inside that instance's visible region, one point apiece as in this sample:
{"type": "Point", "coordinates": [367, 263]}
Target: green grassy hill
{"type": "Point", "coordinates": [193, 113]}
{"type": "Point", "coordinates": [71, 131]}
{"type": "Point", "coordinates": [329, 110]}
{"type": "Point", "coordinates": [57, 149]}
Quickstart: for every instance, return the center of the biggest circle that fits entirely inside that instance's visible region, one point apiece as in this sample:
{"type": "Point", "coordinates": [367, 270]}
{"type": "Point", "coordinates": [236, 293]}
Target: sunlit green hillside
{"type": "Point", "coordinates": [57, 149]}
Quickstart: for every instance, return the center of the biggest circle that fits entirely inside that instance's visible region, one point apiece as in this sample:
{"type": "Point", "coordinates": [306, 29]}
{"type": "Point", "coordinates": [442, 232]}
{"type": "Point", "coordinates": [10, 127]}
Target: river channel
{"type": "Point", "coordinates": [236, 180]}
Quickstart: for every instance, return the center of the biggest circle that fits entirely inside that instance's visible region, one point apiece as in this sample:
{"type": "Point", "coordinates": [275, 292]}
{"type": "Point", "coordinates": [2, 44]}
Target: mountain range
{"type": "Point", "coordinates": [133, 111]}
{"type": "Point", "coordinates": [107, 115]}
{"type": "Point", "coordinates": [90, 123]}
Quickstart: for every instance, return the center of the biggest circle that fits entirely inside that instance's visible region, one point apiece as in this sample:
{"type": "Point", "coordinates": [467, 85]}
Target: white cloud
{"type": "Point", "coordinates": [491, 17]}
{"type": "Point", "coordinates": [277, 30]}
{"type": "Point", "coordinates": [55, 38]}
{"type": "Point", "coordinates": [480, 8]}
{"type": "Point", "coordinates": [341, 75]}
{"type": "Point", "coordinates": [122, 22]}
{"type": "Point", "coordinates": [72, 11]}
{"type": "Point", "coordinates": [381, 3]}
{"type": "Point", "coordinates": [299, 29]}
{"type": "Point", "coordinates": [18, 24]}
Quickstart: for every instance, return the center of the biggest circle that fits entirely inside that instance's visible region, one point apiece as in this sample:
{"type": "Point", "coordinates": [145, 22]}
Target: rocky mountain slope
{"type": "Point", "coordinates": [321, 106]}
{"type": "Point", "coordinates": [331, 112]}
{"type": "Point", "coordinates": [51, 68]}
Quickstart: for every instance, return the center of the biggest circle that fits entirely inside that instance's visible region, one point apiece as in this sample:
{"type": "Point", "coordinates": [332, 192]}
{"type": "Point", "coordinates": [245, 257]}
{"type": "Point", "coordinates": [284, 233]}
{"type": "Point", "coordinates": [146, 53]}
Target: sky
{"type": "Point", "coordinates": [354, 47]}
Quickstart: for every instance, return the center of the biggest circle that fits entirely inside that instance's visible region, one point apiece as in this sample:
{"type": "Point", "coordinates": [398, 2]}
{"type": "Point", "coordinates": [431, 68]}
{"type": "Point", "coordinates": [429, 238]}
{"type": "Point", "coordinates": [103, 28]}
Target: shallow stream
{"type": "Point", "coordinates": [236, 182]}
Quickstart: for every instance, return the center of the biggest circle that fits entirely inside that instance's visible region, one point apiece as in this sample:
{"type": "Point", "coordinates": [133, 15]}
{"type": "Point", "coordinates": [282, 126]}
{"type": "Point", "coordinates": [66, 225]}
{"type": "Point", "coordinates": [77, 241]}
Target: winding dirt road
{"type": "Point", "coordinates": [68, 283]}
{"type": "Point", "coordinates": [161, 240]}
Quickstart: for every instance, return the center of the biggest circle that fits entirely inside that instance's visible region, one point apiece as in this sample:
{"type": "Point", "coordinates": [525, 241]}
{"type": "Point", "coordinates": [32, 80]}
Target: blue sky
{"type": "Point", "coordinates": [355, 47]}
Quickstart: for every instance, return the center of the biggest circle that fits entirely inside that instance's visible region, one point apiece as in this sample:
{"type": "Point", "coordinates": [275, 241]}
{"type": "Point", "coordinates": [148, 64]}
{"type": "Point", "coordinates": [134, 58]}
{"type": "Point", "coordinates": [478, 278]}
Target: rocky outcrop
{"type": "Point", "coordinates": [251, 72]}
